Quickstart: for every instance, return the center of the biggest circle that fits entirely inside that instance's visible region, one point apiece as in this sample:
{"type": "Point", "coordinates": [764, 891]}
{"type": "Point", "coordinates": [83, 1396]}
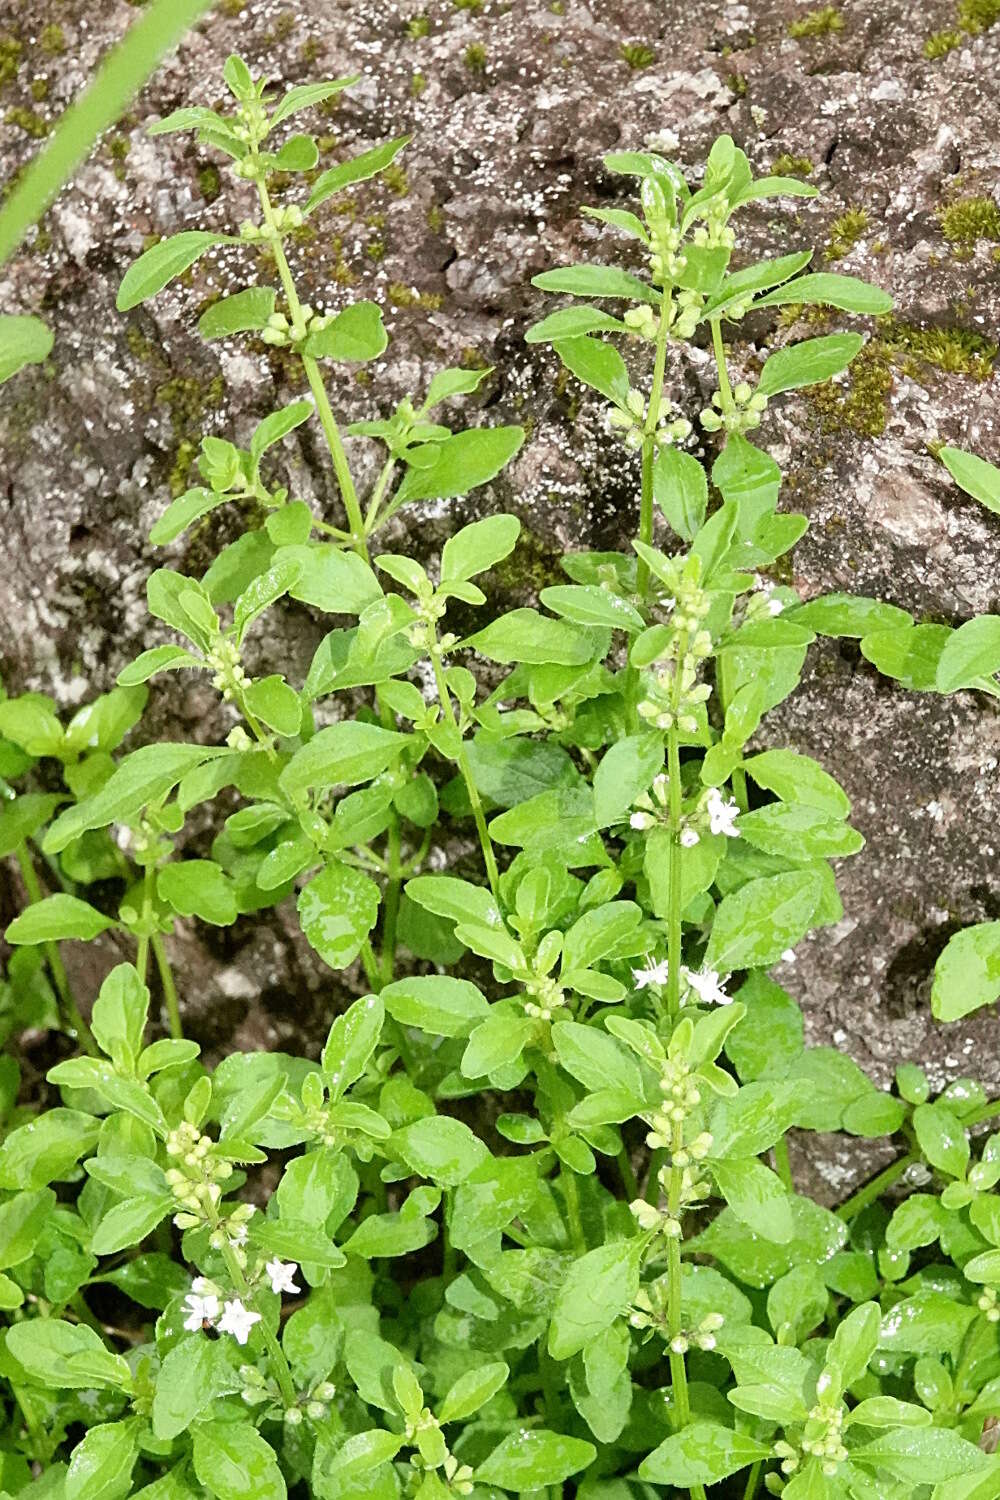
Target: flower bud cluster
{"type": "Point", "coordinates": [685, 313]}
{"type": "Point", "coordinates": [423, 632]}
{"type": "Point", "coordinates": [681, 1096]}
{"type": "Point", "coordinates": [547, 997]}
{"type": "Point", "coordinates": [666, 264]}
{"type": "Point", "coordinates": [715, 231]}
{"type": "Point", "coordinates": [650, 1309]}
{"type": "Point", "coordinates": [762, 601]}
{"type": "Point", "coordinates": [744, 411]}
{"type": "Point", "coordinates": [196, 1178]}
{"type": "Point", "coordinates": [824, 1439]}
{"type": "Point", "coordinates": [224, 658]}
{"type": "Point", "coordinates": [280, 332]}
{"type": "Point", "coordinates": [642, 321]}
{"type": "Point", "coordinates": [987, 1303]}
{"type": "Point", "coordinates": [250, 122]}
{"type": "Point", "coordinates": [672, 693]}
{"type": "Point", "coordinates": [632, 420]}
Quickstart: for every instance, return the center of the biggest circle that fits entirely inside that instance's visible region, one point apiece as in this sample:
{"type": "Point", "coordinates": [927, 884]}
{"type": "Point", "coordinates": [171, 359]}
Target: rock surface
{"type": "Point", "coordinates": [511, 108]}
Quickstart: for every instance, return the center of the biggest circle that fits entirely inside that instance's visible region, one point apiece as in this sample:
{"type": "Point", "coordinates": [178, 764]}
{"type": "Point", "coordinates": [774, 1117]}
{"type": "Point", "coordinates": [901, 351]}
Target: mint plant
{"type": "Point", "coordinates": [288, 1276]}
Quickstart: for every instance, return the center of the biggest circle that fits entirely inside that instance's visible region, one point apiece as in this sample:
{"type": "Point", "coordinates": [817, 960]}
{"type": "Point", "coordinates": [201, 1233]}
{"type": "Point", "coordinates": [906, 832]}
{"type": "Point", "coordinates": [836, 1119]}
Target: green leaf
{"type": "Point", "coordinates": [337, 910]}
{"type": "Point", "coordinates": [356, 169]}
{"type": "Point", "coordinates": [120, 1012]}
{"type": "Point", "coordinates": [344, 754]}
{"type": "Point", "coordinates": [22, 1220]}
{"type": "Point", "coordinates": [597, 365]}
{"type": "Point", "coordinates": [755, 924]}
{"type": "Point", "coordinates": [198, 888]}
{"type": "Point", "coordinates": [273, 701]}
{"type": "Point", "coordinates": [331, 580]}
{"type": "Point", "coordinates": [23, 341]}
{"type": "Point", "coordinates": [477, 547]}
{"type": "Point", "coordinates": [461, 463]}
{"type": "Point", "coordinates": [921, 1455]}
{"type": "Point", "coordinates": [680, 489]}
{"type": "Point", "coordinates": [129, 1222]}
{"type": "Point", "coordinates": [595, 1058]}
{"type": "Point", "coordinates": [928, 1323]}
{"type": "Point", "coordinates": [970, 653]}
{"type": "Point", "coordinates": [910, 654]}
{"type": "Point", "coordinates": [299, 153]}
{"type": "Point", "coordinates": [771, 1036]}
{"type": "Point", "coordinates": [46, 1149]}
{"type": "Point", "coordinates": [22, 818]}
{"type": "Point", "coordinates": [525, 635]}
{"type": "Point", "coordinates": [942, 1138]}
{"type": "Point", "coordinates": [808, 363]}
{"type": "Point", "coordinates": [597, 1290]}
{"type": "Point", "coordinates": [458, 900]}
{"type": "Point", "coordinates": [144, 776]}
{"type": "Point", "coordinates": [703, 1453]}
{"type": "Point", "coordinates": [798, 831]}
{"type": "Point", "coordinates": [163, 262]}
{"type": "Point", "coordinates": [495, 1042]}
{"type": "Point", "coordinates": [57, 918]}
{"type": "Point", "coordinates": [597, 281]}
{"type": "Point", "coordinates": [239, 313]}
{"type": "Point", "coordinates": [967, 974]}
{"type": "Point", "coordinates": [440, 1148]}
{"type": "Point", "coordinates": [571, 323]}
{"type": "Point", "coordinates": [439, 1004]}
{"type": "Point", "coordinates": [356, 334]}
{"type": "Point", "coordinates": [830, 289]}
{"type": "Point", "coordinates": [974, 475]}
{"type": "Point", "coordinates": [853, 1346]}
{"type": "Point", "coordinates": [589, 604]}
{"type": "Point", "coordinates": [194, 1372]}
{"type": "Point", "coordinates": [233, 1462]}
{"type": "Point", "coordinates": [306, 95]}
{"type": "Point", "coordinates": [472, 1391]}
{"type": "Point", "coordinates": [182, 513]}
{"type": "Point", "coordinates": [100, 1467]}
{"type": "Point", "coordinates": [453, 382]}
{"type": "Point", "coordinates": [65, 1356]}
{"type": "Point", "coordinates": [798, 779]}
{"type": "Point", "coordinates": [277, 425]}
{"type": "Point", "coordinates": [626, 771]}
{"type": "Point", "coordinates": [756, 1196]}
{"type": "Point", "coordinates": [533, 1458]}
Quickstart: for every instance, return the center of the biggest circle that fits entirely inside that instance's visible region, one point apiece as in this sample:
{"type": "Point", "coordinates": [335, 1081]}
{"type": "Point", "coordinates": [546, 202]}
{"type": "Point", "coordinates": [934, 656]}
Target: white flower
{"type": "Point", "coordinates": [774, 606]}
{"type": "Point", "coordinates": [708, 986]}
{"type": "Point", "coordinates": [689, 837]}
{"type": "Point", "coordinates": [281, 1276]}
{"type": "Point", "coordinates": [640, 821]}
{"type": "Point", "coordinates": [200, 1309]}
{"type": "Point", "coordinates": [722, 815]}
{"type": "Point", "coordinates": [238, 1320]}
{"type": "Point", "coordinates": [238, 1235]}
{"type": "Point", "coordinates": [655, 974]}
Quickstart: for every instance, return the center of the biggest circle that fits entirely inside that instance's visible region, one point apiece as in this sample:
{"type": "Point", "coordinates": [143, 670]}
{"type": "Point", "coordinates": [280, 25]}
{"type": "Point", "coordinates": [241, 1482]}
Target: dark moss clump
{"type": "Point", "coordinates": [968, 220]}
{"type": "Point", "coordinates": [52, 40]}
{"type": "Point", "coordinates": [10, 58]}
{"type": "Point", "coordinates": [845, 232]}
{"type": "Point", "coordinates": [401, 295]}
{"type": "Point", "coordinates": [474, 58]}
{"type": "Point", "coordinates": [861, 406]}
{"type": "Point", "coordinates": [823, 22]}
{"type": "Point", "coordinates": [637, 54]}
{"type": "Point", "coordinates": [209, 182]}
{"type": "Point", "coordinates": [29, 121]}
{"type": "Point", "coordinates": [791, 166]}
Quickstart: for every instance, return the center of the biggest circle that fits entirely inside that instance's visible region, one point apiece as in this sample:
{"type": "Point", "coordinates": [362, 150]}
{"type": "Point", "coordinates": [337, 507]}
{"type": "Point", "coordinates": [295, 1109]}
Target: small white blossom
{"type": "Point", "coordinates": [281, 1276]}
{"type": "Point", "coordinates": [654, 974]}
{"type": "Point", "coordinates": [238, 1235]}
{"type": "Point", "coordinates": [722, 815]}
{"type": "Point", "coordinates": [708, 986]}
{"type": "Point", "coordinates": [689, 837]}
{"type": "Point", "coordinates": [238, 1320]}
{"type": "Point", "coordinates": [200, 1309]}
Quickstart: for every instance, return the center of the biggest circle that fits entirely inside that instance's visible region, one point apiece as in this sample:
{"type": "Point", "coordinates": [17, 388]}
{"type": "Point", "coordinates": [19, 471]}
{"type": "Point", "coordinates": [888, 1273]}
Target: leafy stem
{"type": "Point", "coordinates": [72, 1019]}
{"type": "Point", "coordinates": [649, 445]}
{"type": "Point", "coordinates": [276, 1354]}
{"type": "Point", "coordinates": [169, 987]}
{"type": "Point", "coordinates": [447, 709]}
{"type": "Point", "coordinates": [675, 1324]}
{"type": "Point", "coordinates": [324, 411]}
{"type": "Point", "coordinates": [719, 349]}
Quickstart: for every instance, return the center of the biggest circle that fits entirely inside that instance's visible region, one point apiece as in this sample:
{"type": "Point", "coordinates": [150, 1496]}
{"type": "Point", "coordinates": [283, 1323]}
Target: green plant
{"type": "Point", "coordinates": [823, 22]}
{"type": "Point", "coordinates": [968, 220]}
{"type": "Point", "coordinates": [612, 1290]}
{"type": "Point", "coordinates": [637, 55]}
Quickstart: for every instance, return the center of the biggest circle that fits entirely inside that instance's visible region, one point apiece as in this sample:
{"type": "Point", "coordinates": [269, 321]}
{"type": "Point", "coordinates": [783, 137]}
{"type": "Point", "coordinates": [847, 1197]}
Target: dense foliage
{"type": "Point", "coordinates": [528, 1224]}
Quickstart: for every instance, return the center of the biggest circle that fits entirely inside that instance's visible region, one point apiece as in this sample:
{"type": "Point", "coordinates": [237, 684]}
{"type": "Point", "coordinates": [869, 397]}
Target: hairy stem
{"type": "Point", "coordinates": [782, 1164]}
{"type": "Point", "coordinates": [648, 445]}
{"type": "Point", "coordinates": [166, 974]}
{"type": "Point", "coordinates": [485, 842]}
{"type": "Point", "coordinates": [571, 1193]}
{"type": "Point", "coordinates": [276, 1354]}
{"type": "Point", "coordinates": [327, 421]}
{"type": "Point", "coordinates": [860, 1200]}
{"type": "Point", "coordinates": [72, 1019]}
{"type": "Point", "coordinates": [675, 1318]}
{"type": "Point", "coordinates": [719, 350]}
{"type": "Point", "coordinates": [753, 1480]}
